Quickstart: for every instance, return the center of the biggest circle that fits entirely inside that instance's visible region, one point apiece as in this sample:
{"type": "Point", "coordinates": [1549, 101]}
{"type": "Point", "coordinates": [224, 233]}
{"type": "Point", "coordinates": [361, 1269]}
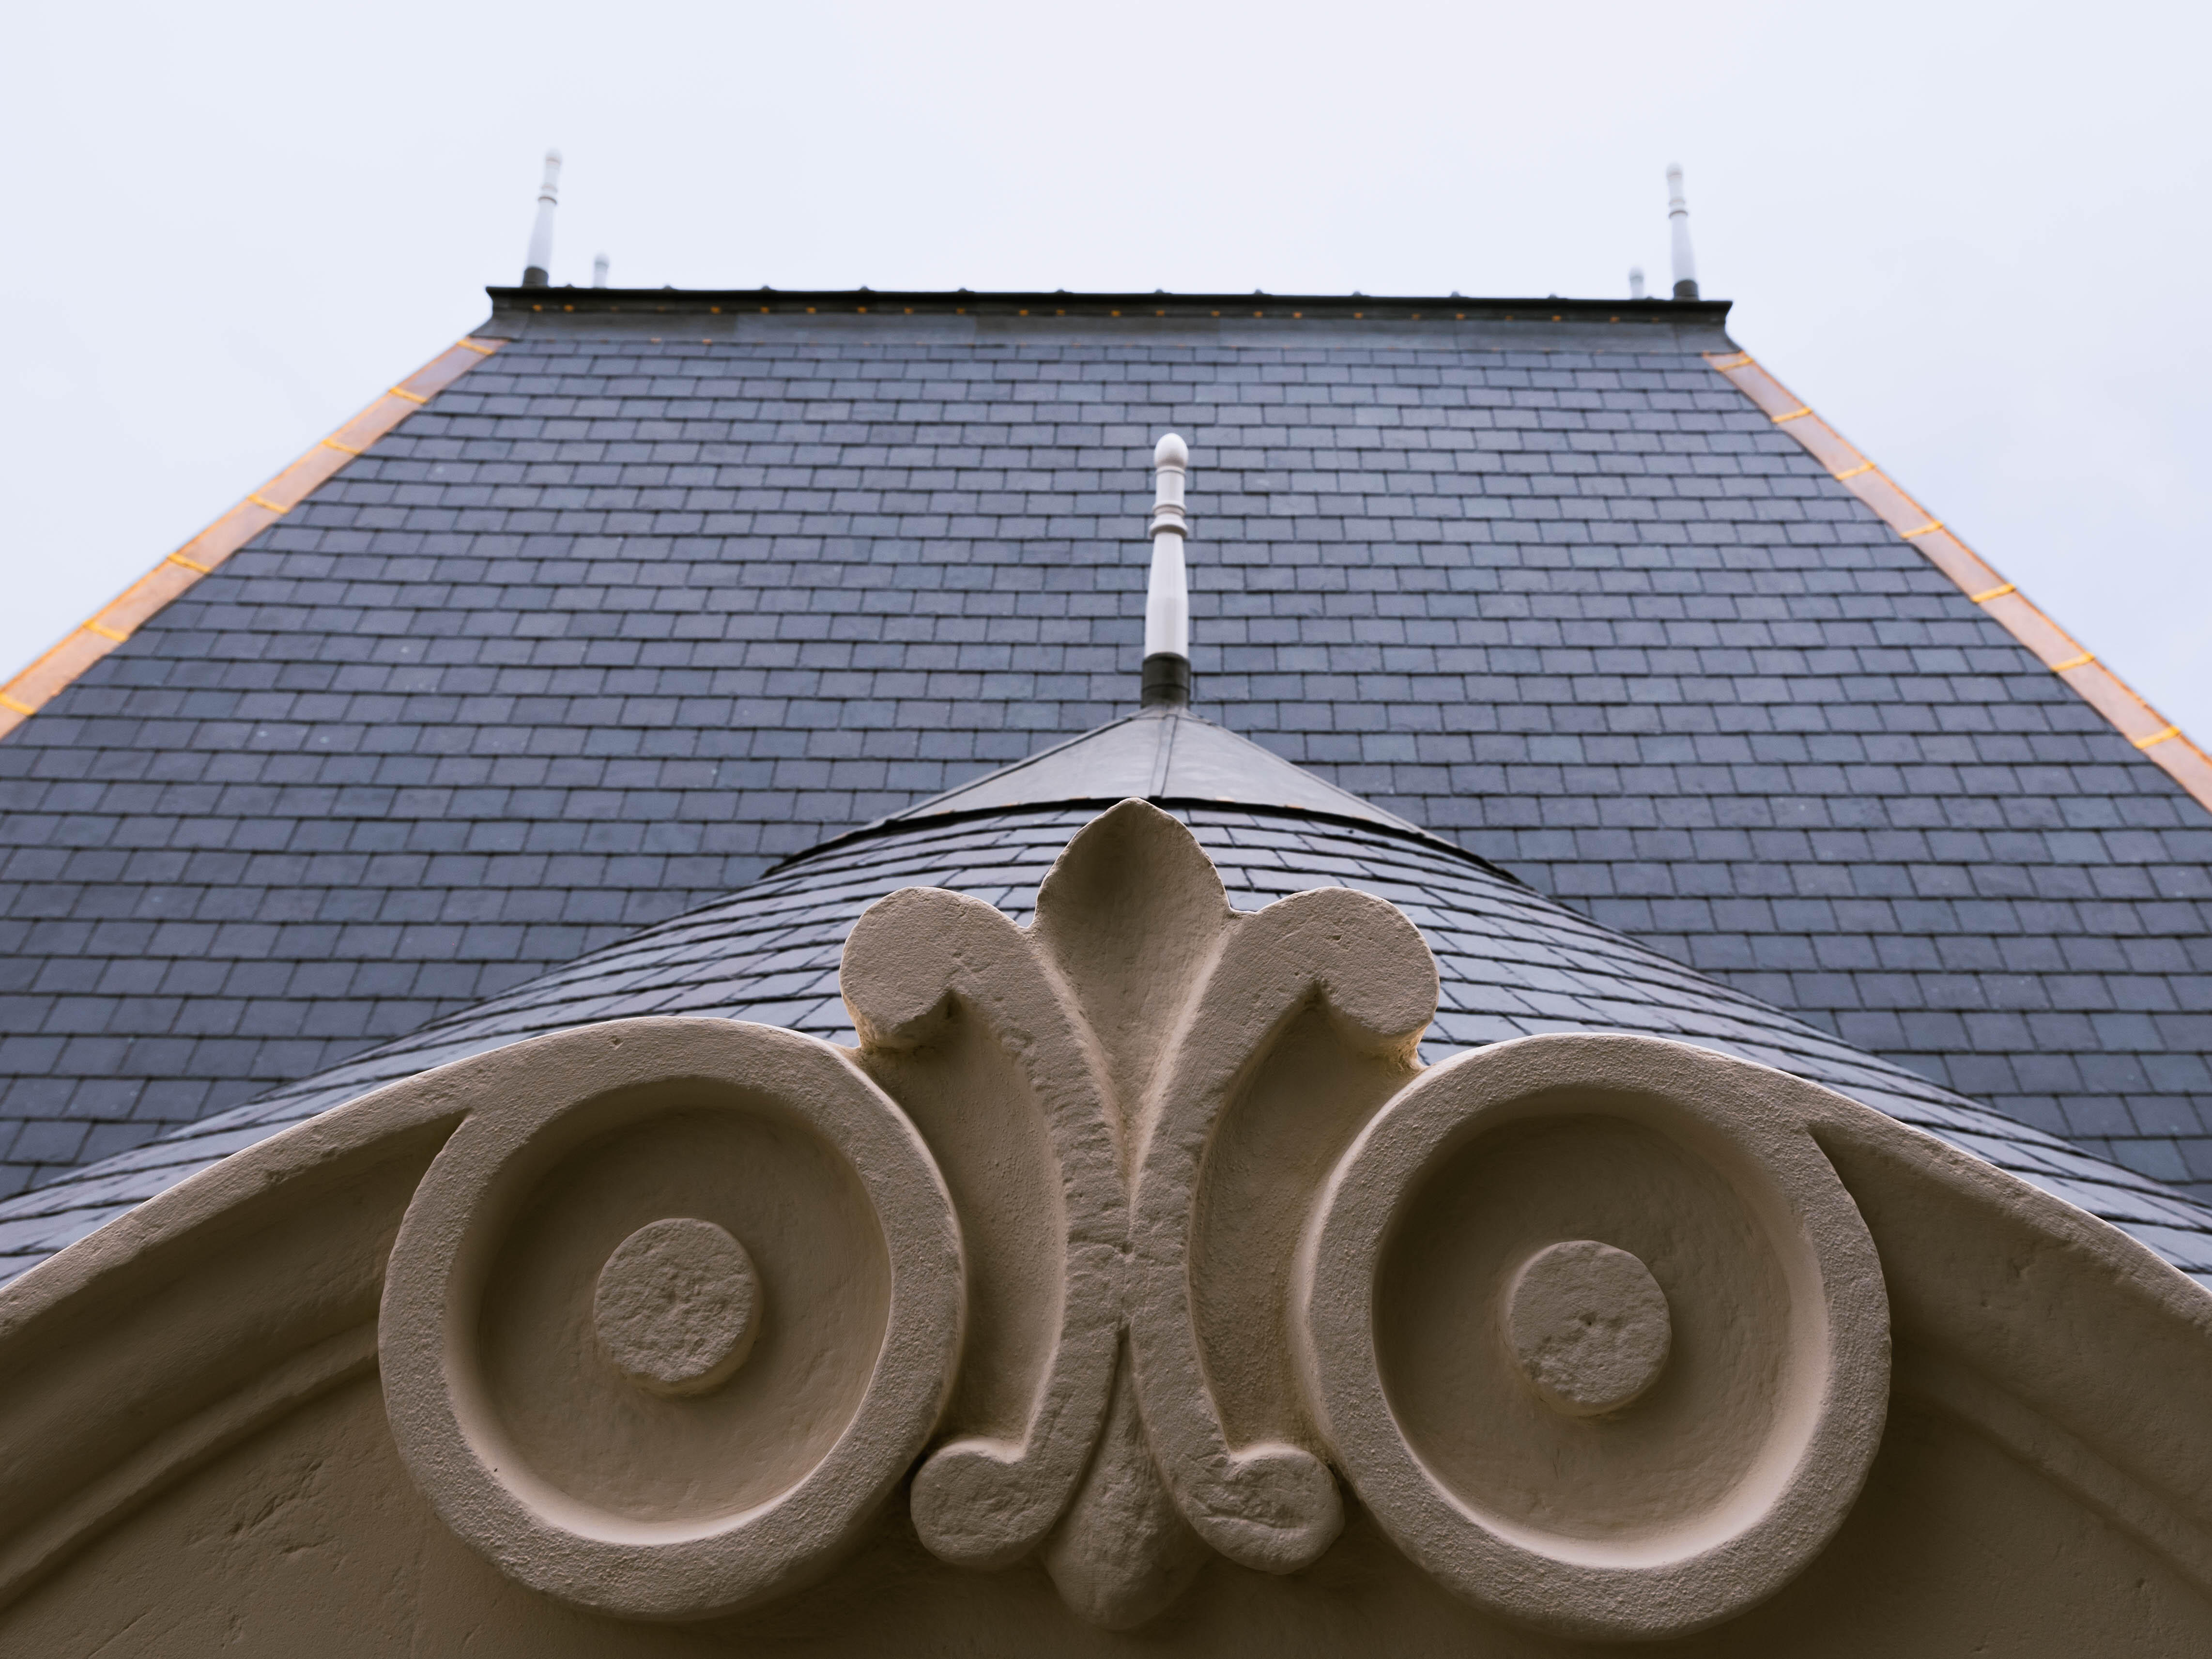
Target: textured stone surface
{"type": "Point", "coordinates": [617, 622]}
{"type": "Point", "coordinates": [1589, 1326]}
{"type": "Point", "coordinates": [677, 1306]}
{"type": "Point", "coordinates": [1628, 1514]}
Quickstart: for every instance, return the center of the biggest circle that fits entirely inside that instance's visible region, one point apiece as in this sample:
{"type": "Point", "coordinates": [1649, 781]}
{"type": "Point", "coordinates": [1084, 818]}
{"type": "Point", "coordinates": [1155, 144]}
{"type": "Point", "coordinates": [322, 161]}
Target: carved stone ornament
{"type": "Point", "coordinates": [660, 1336]}
{"type": "Point", "coordinates": [1139, 1226]}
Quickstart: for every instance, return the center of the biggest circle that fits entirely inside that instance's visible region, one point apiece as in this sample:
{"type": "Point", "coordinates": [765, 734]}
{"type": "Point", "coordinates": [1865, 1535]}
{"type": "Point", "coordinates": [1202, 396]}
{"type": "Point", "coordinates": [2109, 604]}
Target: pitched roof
{"type": "Point", "coordinates": [1510, 964]}
{"type": "Point", "coordinates": [658, 596]}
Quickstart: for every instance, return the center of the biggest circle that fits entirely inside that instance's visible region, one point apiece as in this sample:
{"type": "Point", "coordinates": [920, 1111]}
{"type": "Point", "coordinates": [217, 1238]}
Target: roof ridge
{"type": "Point", "coordinates": [521, 303]}
{"type": "Point", "coordinates": [2132, 716]}
{"type": "Point", "coordinates": [59, 668]}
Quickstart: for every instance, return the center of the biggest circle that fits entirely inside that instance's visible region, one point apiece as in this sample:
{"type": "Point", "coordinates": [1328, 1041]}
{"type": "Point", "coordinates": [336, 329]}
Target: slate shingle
{"type": "Point", "coordinates": [614, 624]}
{"type": "Point", "coordinates": [1511, 963]}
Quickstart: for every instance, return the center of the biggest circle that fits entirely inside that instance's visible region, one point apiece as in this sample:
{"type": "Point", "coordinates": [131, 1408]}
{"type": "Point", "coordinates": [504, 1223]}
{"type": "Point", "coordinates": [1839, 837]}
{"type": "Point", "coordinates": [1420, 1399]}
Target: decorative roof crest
{"type": "Point", "coordinates": [1678, 226]}
{"type": "Point", "coordinates": [1167, 590]}
{"type": "Point", "coordinates": [538, 265]}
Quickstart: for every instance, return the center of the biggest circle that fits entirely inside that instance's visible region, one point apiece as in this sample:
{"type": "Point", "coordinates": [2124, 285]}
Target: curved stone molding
{"type": "Point", "coordinates": [990, 1495]}
{"type": "Point", "coordinates": [660, 1335]}
{"type": "Point", "coordinates": [1271, 1505]}
{"type": "Point", "coordinates": [1597, 1334]}
{"type": "Point", "coordinates": [1127, 1234]}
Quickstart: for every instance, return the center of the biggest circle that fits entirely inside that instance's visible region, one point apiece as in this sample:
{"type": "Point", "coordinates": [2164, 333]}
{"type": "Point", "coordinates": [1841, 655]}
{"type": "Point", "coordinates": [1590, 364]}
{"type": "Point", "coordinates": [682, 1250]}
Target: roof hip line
{"type": "Point", "coordinates": [2133, 718]}
{"type": "Point", "coordinates": [130, 609]}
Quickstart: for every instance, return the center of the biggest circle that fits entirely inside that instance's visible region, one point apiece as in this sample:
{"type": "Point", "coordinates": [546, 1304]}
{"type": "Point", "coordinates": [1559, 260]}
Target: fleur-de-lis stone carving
{"type": "Point", "coordinates": [1131, 1233]}
{"type": "Point", "coordinates": [1133, 1101]}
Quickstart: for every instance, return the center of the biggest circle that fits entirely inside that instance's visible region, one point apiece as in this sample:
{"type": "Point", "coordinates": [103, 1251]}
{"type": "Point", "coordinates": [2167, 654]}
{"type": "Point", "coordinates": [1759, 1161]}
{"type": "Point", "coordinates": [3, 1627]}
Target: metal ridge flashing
{"type": "Point", "coordinates": [901, 824]}
{"type": "Point", "coordinates": [2096, 684]}
{"type": "Point", "coordinates": [123, 616]}
{"type": "Point", "coordinates": [737, 302]}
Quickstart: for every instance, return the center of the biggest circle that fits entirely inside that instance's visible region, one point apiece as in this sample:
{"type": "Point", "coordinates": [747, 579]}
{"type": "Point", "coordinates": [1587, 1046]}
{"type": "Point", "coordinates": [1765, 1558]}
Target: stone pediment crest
{"type": "Point", "coordinates": [1126, 1239]}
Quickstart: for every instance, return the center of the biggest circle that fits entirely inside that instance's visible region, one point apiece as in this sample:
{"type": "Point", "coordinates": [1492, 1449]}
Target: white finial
{"type": "Point", "coordinates": [1167, 593]}
{"type": "Point", "coordinates": [1636, 282]}
{"type": "Point", "coordinates": [598, 270]}
{"type": "Point", "coordinates": [537, 270]}
{"type": "Point", "coordinates": [1678, 221]}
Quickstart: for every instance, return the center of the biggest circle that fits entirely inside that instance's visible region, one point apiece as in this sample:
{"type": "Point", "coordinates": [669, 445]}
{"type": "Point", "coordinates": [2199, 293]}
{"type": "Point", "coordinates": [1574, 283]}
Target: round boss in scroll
{"type": "Point", "coordinates": [1589, 1326]}
{"type": "Point", "coordinates": [677, 1306]}
{"type": "Point", "coordinates": [599, 1385]}
{"type": "Point", "coordinates": [1596, 1333]}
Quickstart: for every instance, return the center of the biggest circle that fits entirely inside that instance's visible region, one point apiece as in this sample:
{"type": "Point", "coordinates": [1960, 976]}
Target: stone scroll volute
{"type": "Point", "coordinates": [1134, 1237]}
{"type": "Point", "coordinates": [661, 1335]}
{"type": "Point", "coordinates": [1595, 1332]}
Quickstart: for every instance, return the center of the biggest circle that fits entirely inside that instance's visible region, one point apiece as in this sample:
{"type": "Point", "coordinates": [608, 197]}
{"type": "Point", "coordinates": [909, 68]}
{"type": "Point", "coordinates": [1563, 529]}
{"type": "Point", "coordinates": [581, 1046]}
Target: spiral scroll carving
{"type": "Point", "coordinates": [660, 1335]}
{"type": "Point", "coordinates": [1129, 1236]}
{"type": "Point", "coordinates": [1597, 1334]}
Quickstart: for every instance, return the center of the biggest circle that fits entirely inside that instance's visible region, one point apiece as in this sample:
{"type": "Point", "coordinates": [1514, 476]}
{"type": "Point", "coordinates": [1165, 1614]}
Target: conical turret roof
{"type": "Point", "coordinates": [1163, 755]}
{"type": "Point", "coordinates": [1511, 963]}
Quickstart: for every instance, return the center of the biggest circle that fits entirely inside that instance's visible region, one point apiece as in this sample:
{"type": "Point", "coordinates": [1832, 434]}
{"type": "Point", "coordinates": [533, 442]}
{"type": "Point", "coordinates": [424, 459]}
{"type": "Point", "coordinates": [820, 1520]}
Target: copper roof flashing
{"type": "Point", "coordinates": [130, 610]}
{"type": "Point", "coordinates": [2134, 719]}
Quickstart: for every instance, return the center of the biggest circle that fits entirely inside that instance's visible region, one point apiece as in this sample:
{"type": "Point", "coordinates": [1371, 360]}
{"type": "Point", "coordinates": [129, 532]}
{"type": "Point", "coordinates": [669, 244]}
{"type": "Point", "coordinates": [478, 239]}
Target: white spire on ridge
{"type": "Point", "coordinates": [537, 269]}
{"type": "Point", "coordinates": [1167, 594]}
{"type": "Point", "coordinates": [598, 270]}
{"type": "Point", "coordinates": [1678, 221]}
{"type": "Point", "coordinates": [1636, 282]}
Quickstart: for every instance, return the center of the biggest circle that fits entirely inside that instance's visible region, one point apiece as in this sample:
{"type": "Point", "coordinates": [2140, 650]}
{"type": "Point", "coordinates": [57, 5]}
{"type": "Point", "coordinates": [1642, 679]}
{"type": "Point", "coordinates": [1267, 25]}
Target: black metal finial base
{"type": "Point", "coordinates": [1167, 681]}
{"type": "Point", "coordinates": [1686, 290]}
{"type": "Point", "coordinates": [536, 277]}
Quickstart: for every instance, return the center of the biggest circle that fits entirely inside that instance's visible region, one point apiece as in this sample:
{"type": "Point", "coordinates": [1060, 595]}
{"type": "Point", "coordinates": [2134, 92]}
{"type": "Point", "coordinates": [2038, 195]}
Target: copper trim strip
{"type": "Point", "coordinates": [121, 617]}
{"type": "Point", "coordinates": [2165, 746]}
{"type": "Point", "coordinates": [1794, 415]}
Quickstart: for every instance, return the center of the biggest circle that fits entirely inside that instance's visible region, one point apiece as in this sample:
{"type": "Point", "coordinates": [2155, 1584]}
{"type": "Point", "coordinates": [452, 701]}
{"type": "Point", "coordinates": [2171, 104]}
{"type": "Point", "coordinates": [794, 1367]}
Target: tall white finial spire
{"type": "Point", "coordinates": [1167, 594]}
{"type": "Point", "coordinates": [598, 270]}
{"type": "Point", "coordinates": [537, 270]}
{"type": "Point", "coordinates": [1678, 221]}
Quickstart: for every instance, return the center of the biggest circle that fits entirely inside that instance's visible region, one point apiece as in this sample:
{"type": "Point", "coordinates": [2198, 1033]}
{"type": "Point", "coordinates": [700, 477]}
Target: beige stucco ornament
{"type": "Point", "coordinates": [1682, 1407]}
{"type": "Point", "coordinates": [568, 1298]}
{"type": "Point", "coordinates": [1131, 1275]}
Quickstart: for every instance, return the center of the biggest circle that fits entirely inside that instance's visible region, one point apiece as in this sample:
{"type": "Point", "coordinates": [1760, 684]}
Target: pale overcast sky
{"type": "Point", "coordinates": [1974, 237]}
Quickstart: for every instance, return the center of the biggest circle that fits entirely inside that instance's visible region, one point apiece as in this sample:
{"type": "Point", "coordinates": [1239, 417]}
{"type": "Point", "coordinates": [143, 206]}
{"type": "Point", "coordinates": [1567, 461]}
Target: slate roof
{"type": "Point", "coordinates": [1163, 753]}
{"type": "Point", "coordinates": [645, 602]}
{"type": "Point", "coordinates": [1511, 962]}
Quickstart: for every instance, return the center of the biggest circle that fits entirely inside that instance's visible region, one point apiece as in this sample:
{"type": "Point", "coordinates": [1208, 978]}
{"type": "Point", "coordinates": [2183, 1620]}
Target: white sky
{"type": "Point", "coordinates": [1973, 236]}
